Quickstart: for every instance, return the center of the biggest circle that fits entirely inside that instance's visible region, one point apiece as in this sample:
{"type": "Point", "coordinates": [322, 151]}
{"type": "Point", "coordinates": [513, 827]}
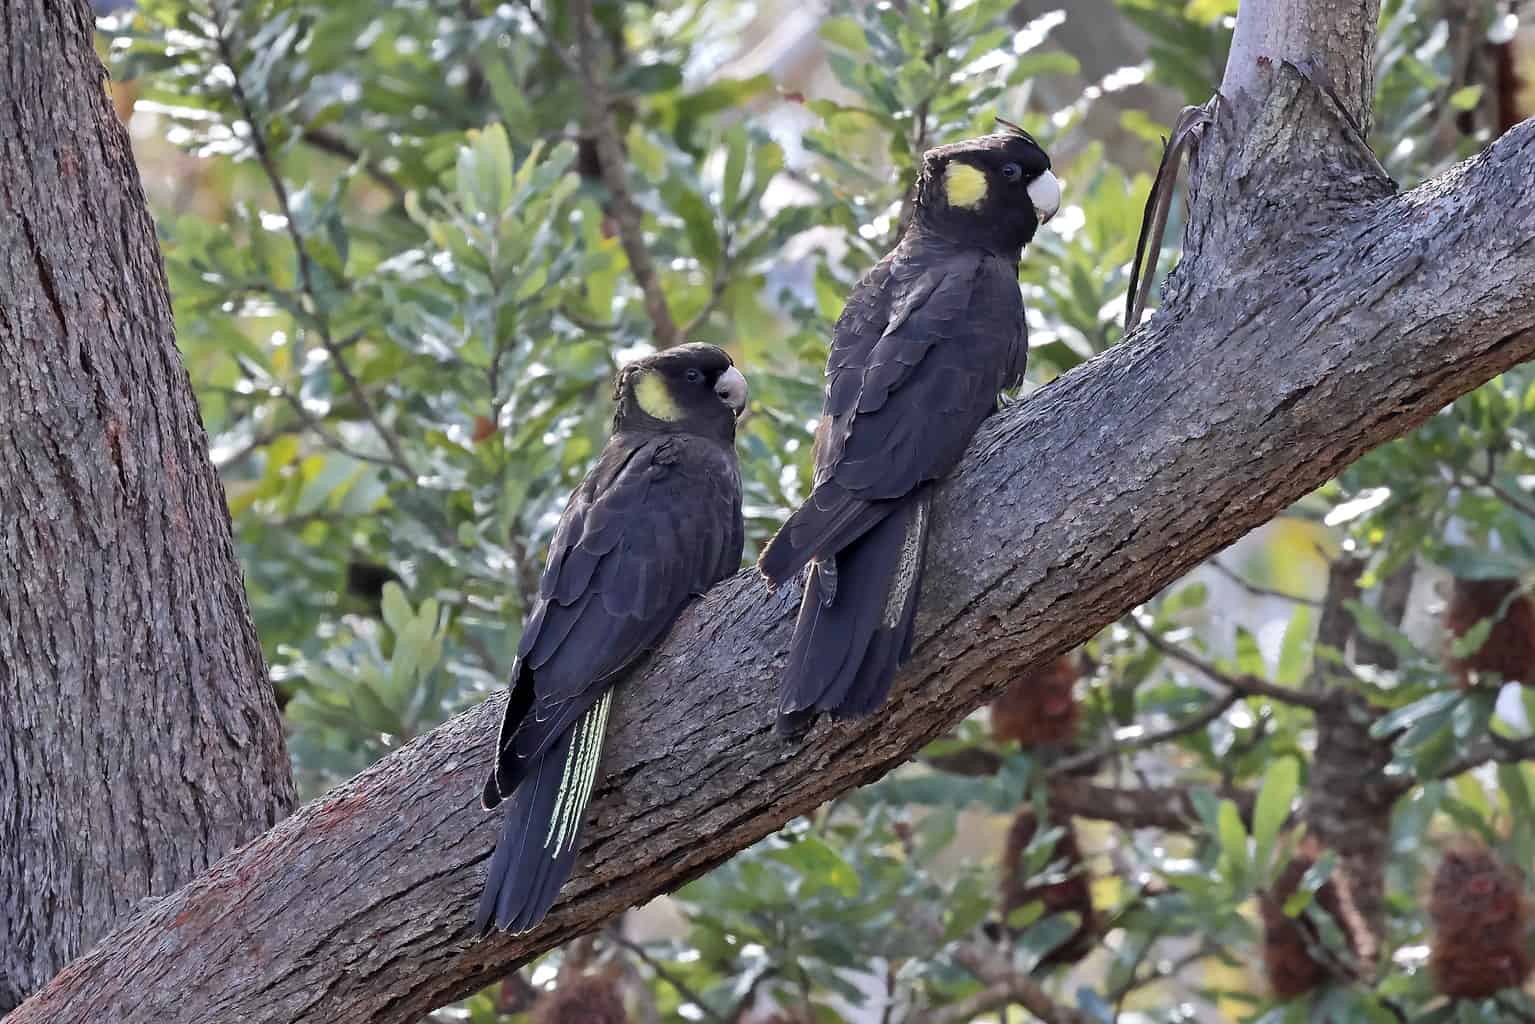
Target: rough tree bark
{"type": "Point", "coordinates": [140, 739]}
{"type": "Point", "coordinates": [1316, 315]}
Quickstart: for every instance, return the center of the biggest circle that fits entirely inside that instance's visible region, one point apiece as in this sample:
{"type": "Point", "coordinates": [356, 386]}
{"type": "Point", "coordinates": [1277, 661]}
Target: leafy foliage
{"type": "Point", "coordinates": [402, 298]}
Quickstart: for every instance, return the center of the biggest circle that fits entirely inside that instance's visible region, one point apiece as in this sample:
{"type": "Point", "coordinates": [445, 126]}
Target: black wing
{"type": "Point", "coordinates": [922, 349]}
{"type": "Point", "coordinates": [656, 522]}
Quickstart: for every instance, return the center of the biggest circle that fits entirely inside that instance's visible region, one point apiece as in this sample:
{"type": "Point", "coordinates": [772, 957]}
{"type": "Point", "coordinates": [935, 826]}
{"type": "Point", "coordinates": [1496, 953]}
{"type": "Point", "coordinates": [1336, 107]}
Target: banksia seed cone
{"type": "Point", "coordinates": [1288, 942]}
{"type": "Point", "coordinates": [589, 998]}
{"type": "Point", "coordinates": [1039, 708]}
{"type": "Point", "coordinates": [1480, 914]}
{"type": "Point", "coordinates": [1072, 894]}
{"type": "Point", "coordinates": [1510, 647]}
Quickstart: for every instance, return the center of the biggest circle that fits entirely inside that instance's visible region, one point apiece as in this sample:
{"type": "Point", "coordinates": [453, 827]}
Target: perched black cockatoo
{"type": "Point", "coordinates": [654, 524]}
{"type": "Point", "coordinates": [926, 342]}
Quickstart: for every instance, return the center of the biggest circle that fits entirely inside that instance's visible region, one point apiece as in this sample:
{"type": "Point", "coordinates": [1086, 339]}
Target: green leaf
{"type": "Point", "coordinates": [1042, 63]}
{"type": "Point", "coordinates": [1233, 837]}
{"type": "Point", "coordinates": [819, 865]}
{"type": "Point", "coordinates": [1044, 938]}
{"type": "Point", "coordinates": [697, 220]}
{"type": "Point", "coordinates": [1208, 806]}
{"type": "Point", "coordinates": [335, 470]}
{"type": "Point", "coordinates": [963, 917]}
{"type": "Point", "coordinates": [1311, 883]}
{"type": "Point", "coordinates": [531, 283]}
{"type": "Point", "coordinates": [373, 712]}
{"type": "Point", "coordinates": [1471, 640]}
{"type": "Point", "coordinates": [735, 167]}
{"type": "Point", "coordinates": [1280, 783]}
{"type": "Point", "coordinates": [845, 33]}
{"type": "Point", "coordinates": [1470, 792]}
{"type": "Point", "coordinates": [1249, 657]}
{"type": "Point", "coordinates": [1209, 11]}
{"type": "Point", "coordinates": [396, 609]}
{"type": "Point", "coordinates": [1512, 781]}
{"type": "Point", "coordinates": [1466, 97]}
{"type": "Point", "coordinates": [1194, 595]}
{"type": "Point", "coordinates": [1471, 563]}
{"type": "Point", "coordinates": [1372, 625]}
{"type": "Point", "coordinates": [650, 78]}
{"type": "Point", "coordinates": [1435, 704]}
{"type": "Point", "coordinates": [1018, 918]}
{"type": "Point", "coordinates": [1295, 649]}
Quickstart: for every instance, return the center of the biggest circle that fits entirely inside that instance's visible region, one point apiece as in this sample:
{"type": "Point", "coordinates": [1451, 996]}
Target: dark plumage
{"type": "Point", "coordinates": [654, 524]}
{"type": "Point", "coordinates": [926, 342]}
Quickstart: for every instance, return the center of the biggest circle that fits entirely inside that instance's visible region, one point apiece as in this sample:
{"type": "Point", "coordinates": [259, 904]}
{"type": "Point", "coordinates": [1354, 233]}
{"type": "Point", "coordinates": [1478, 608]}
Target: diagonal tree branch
{"type": "Point", "coordinates": [1166, 807]}
{"type": "Point", "coordinates": [1071, 508]}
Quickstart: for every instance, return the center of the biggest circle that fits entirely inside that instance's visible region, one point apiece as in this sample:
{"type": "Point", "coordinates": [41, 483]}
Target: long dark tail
{"type": "Point", "coordinates": [542, 828]}
{"type": "Point", "coordinates": [854, 630]}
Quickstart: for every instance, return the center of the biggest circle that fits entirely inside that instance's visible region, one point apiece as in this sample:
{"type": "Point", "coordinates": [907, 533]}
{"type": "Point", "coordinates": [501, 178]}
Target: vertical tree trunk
{"type": "Point", "coordinates": [139, 739]}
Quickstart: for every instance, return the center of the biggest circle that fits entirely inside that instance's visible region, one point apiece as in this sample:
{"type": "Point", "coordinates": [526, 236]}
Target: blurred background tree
{"type": "Point", "coordinates": [409, 244]}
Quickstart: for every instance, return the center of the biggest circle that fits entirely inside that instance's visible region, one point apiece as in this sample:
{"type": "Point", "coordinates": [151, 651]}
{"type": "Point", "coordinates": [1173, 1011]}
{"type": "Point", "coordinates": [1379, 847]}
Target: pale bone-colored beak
{"type": "Point", "coordinates": [1045, 194]}
{"type": "Point", "coordinates": [732, 388]}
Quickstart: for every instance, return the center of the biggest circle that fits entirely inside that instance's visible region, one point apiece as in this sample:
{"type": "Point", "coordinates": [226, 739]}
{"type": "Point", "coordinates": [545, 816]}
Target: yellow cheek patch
{"type": "Point", "coordinates": [963, 185]}
{"type": "Point", "coordinates": [655, 397]}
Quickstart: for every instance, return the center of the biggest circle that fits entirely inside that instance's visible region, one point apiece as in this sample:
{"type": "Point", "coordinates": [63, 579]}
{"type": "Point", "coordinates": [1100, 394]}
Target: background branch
{"type": "Point", "coordinates": [273, 174]}
{"type": "Point", "coordinates": [327, 141]}
{"type": "Point", "coordinates": [615, 173]}
{"type": "Point", "coordinates": [1165, 807]}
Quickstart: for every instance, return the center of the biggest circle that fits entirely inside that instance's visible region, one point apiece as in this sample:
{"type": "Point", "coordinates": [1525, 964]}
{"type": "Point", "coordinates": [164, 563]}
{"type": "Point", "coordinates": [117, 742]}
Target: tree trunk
{"type": "Point", "coordinates": [140, 740]}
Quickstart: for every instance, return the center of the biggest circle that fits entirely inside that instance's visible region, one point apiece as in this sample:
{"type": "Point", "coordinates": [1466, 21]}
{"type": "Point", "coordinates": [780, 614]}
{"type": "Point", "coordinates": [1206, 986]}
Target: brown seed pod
{"type": "Point", "coordinates": [1290, 943]}
{"type": "Point", "coordinates": [1510, 647]}
{"type": "Point", "coordinates": [1071, 894]}
{"type": "Point", "coordinates": [588, 998]}
{"type": "Point", "coordinates": [1480, 914]}
{"type": "Point", "coordinates": [1039, 708]}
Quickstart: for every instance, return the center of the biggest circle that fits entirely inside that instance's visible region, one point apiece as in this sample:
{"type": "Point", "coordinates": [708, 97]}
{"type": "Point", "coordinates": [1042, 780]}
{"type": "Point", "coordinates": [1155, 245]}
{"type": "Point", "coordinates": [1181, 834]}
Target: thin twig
{"type": "Point", "coordinates": [1132, 982]}
{"type": "Point", "coordinates": [1088, 758]}
{"type": "Point", "coordinates": [1004, 984]}
{"type": "Point", "coordinates": [1246, 685]}
{"type": "Point", "coordinates": [589, 326]}
{"type": "Point", "coordinates": [1490, 748]}
{"type": "Point", "coordinates": [335, 145]}
{"type": "Point", "coordinates": [716, 295]}
{"type": "Point", "coordinates": [615, 174]}
{"type": "Point", "coordinates": [1257, 589]}
{"type": "Point", "coordinates": [1515, 501]}
{"type": "Point", "coordinates": [664, 973]}
{"type": "Point", "coordinates": [749, 997]}
{"type": "Point", "coordinates": [305, 265]}
{"type": "Point", "coordinates": [330, 440]}
{"type": "Point", "coordinates": [257, 441]}
{"type": "Point", "coordinates": [554, 44]}
{"type": "Point", "coordinates": [919, 126]}
{"type": "Point", "coordinates": [1505, 1003]}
